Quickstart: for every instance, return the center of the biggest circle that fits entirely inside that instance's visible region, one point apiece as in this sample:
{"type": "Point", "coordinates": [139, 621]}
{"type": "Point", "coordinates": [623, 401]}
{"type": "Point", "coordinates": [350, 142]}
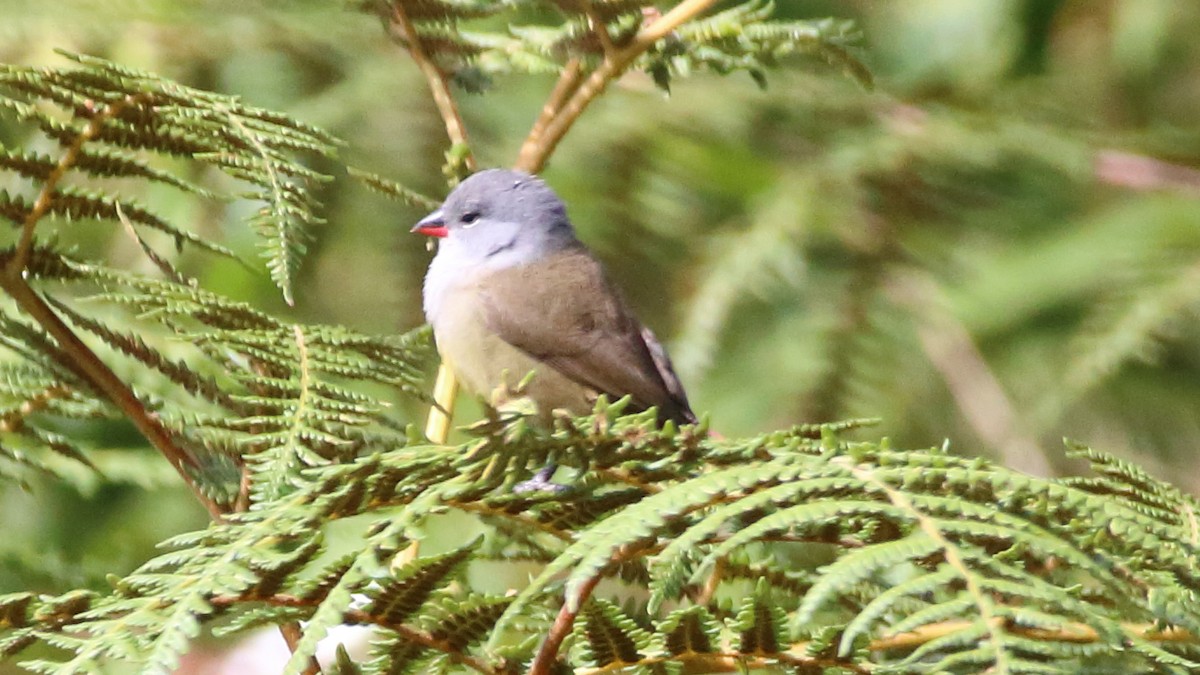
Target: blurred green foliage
{"type": "Point", "coordinates": [999, 245]}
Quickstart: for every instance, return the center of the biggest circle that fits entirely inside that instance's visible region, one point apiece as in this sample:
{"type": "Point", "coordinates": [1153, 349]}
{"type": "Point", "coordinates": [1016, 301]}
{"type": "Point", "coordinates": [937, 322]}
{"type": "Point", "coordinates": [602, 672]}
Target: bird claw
{"type": "Point", "coordinates": [541, 482]}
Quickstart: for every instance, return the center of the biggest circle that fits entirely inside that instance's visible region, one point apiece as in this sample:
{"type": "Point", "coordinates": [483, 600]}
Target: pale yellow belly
{"type": "Point", "coordinates": [492, 369]}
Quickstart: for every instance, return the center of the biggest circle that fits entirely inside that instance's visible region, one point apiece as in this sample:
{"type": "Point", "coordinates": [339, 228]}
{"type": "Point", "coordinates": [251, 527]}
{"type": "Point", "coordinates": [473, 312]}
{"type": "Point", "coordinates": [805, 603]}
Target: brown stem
{"type": "Point", "coordinates": [1138, 172]}
{"type": "Point", "coordinates": [242, 503]}
{"type": "Point", "coordinates": [613, 65]}
{"type": "Point", "coordinates": [599, 29]}
{"type": "Point", "coordinates": [435, 78]}
{"type": "Point", "coordinates": [85, 362]}
{"type": "Point", "coordinates": [567, 83]}
{"type": "Point", "coordinates": [679, 14]}
{"type": "Point", "coordinates": [712, 583]}
{"type": "Point", "coordinates": [544, 662]}
{"type": "Point", "coordinates": [292, 634]}
{"type": "Point", "coordinates": [1079, 633]}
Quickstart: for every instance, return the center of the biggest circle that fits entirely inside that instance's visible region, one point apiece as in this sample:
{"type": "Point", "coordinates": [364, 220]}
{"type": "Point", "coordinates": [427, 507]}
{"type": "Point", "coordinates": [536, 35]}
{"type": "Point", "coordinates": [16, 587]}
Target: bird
{"type": "Point", "coordinates": [523, 312]}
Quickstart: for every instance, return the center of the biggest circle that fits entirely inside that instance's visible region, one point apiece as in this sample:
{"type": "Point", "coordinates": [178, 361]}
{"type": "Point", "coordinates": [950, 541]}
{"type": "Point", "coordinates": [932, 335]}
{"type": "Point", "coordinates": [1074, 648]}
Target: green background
{"type": "Point", "coordinates": [996, 247]}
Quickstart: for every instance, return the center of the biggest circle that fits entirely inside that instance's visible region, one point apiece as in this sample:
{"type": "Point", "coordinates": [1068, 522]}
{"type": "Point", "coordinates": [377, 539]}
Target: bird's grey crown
{"type": "Point", "coordinates": [495, 219]}
{"type": "Point", "coordinates": [502, 195]}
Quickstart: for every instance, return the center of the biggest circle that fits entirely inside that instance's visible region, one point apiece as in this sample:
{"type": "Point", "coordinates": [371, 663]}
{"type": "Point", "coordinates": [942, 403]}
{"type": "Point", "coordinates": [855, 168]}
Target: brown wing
{"type": "Point", "coordinates": [579, 325]}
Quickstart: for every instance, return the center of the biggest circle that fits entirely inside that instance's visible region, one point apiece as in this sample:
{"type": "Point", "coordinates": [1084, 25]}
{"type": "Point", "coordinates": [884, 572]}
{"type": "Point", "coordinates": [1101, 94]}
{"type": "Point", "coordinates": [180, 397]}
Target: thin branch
{"type": "Point", "coordinates": [679, 15]}
{"type": "Point", "coordinates": [598, 27]}
{"type": "Point", "coordinates": [567, 83]}
{"type": "Point", "coordinates": [292, 634]}
{"type": "Point", "coordinates": [439, 86]}
{"type": "Point", "coordinates": [1079, 633]}
{"type": "Point", "coordinates": [533, 158]}
{"type": "Point", "coordinates": [709, 591]}
{"type": "Point", "coordinates": [1138, 172]}
{"type": "Point", "coordinates": [242, 503]}
{"type": "Point", "coordinates": [88, 365]}
{"type": "Point", "coordinates": [543, 663]}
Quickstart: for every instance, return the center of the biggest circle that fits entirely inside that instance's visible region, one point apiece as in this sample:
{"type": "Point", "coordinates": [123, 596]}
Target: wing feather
{"type": "Point", "coordinates": [581, 327]}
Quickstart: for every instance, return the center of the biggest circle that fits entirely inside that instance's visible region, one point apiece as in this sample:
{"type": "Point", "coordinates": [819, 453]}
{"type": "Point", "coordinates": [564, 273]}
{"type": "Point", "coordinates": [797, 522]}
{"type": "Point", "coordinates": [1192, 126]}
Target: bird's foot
{"type": "Point", "coordinates": [541, 482]}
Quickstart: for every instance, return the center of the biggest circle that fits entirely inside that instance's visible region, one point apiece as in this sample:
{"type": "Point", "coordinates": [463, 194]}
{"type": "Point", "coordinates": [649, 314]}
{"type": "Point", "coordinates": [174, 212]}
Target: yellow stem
{"type": "Point", "coordinates": [445, 391]}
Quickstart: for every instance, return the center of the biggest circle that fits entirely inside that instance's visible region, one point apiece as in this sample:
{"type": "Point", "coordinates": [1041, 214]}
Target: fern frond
{"type": "Point", "coordinates": [131, 111]}
{"type": "Point", "coordinates": [407, 590]}
{"type": "Point", "coordinates": [391, 188]}
{"type": "Point", "coordinates": [607, 636]}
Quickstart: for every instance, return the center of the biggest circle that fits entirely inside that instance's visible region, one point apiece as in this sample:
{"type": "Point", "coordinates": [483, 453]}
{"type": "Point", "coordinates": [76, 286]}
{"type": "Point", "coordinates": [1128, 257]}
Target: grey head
{"type": "Point", "coordinates": [493, 220]}
{"type": "Point", "coordinates": [499, 218]}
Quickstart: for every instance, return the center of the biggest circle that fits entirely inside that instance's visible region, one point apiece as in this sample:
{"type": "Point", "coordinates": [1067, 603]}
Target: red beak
{"type": "Point", "coordinates": [432, 225]}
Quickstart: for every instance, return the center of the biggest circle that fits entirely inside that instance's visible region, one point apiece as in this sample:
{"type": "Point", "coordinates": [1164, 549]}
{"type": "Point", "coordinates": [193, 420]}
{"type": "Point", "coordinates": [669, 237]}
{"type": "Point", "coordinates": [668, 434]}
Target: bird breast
{"type": "Point", "coordinates": [487, 366]}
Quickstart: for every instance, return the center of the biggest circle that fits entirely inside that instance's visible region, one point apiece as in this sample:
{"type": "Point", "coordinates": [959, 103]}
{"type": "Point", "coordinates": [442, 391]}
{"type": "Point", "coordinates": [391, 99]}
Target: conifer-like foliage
{"type": "Point", "coordinates": [667, 550]}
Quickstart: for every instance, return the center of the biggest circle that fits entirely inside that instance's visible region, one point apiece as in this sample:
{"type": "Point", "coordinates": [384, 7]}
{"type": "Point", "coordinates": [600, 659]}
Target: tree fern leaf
{"type": "Point", "coordinates": [690, 630]}
{"type": "Point", "coordinates": [860, 565]}
{"type": "Point", "coordinates": [803, 515]}
{"type": "Point", "coordinates": [607, 636]}
{"type": "Point", "coordinates": [134, 347]}
{"type": "Point", "coordinates": [395, 655]}
{"type": "Point", "coordinates": [333, 606]}
{"type": "Point", "coordinates": [761, 625]}
{"type": "Point", "coordinates": [14, 208]}
{"type": "Point", "coordinates": [393, 189]}
{"type": "Point", "coordinates": [595, 548]}
{"type": "Point", "coordinates": [328, 577]}
{"type": "Point", "coordinates": [177, 630]}
{"type": "Point", "coordinates": [108, 163]}
{"type": "Point", "coordinates": [884, 602]}
{"type": "Point", "coordinates": [74, 204]}
{"type": "Point", "coordinates": [462, 624]}
{"type": "Point", "coordinates": [403, 594]}
{"type": "Point", "coordinates": [974, 644]}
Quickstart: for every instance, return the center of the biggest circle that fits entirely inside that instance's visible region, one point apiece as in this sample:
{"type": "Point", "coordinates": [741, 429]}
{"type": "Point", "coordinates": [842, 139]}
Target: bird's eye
{"type": "Point", "coordinates": [470, 217]}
